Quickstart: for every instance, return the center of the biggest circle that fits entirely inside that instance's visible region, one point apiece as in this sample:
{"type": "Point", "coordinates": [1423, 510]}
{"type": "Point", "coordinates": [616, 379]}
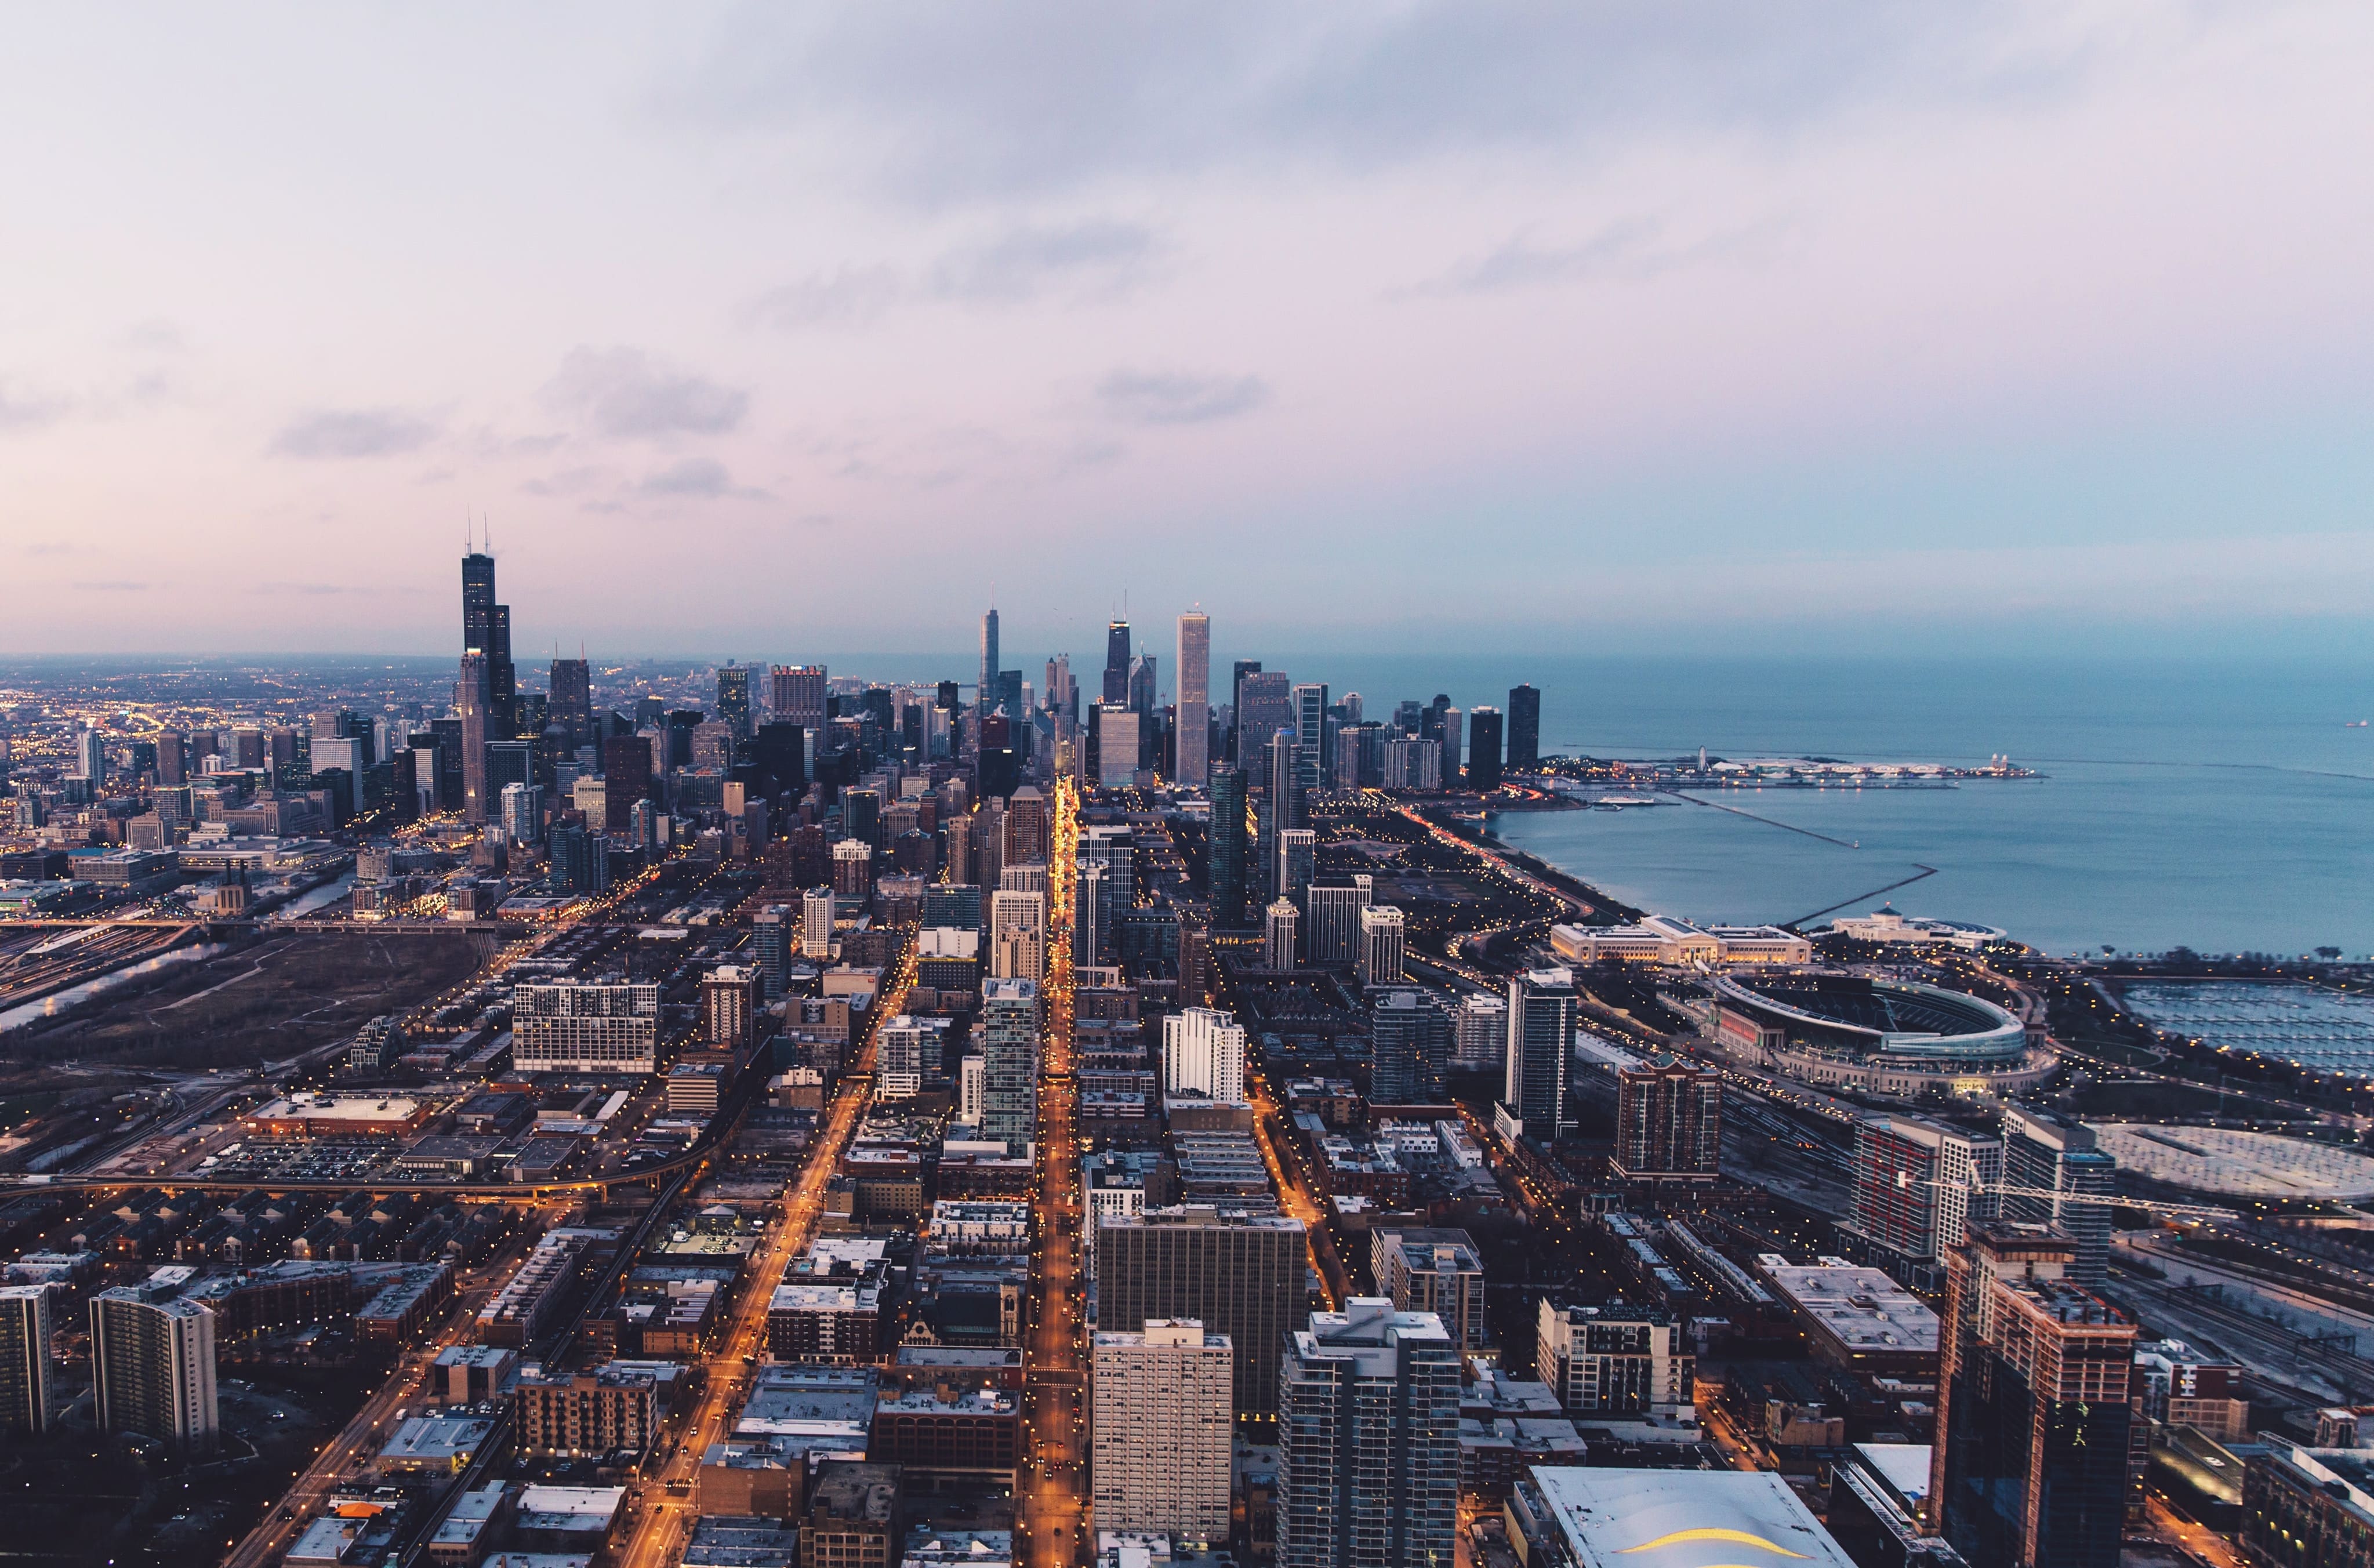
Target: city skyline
{"type": "Point", "coordinates": [2049, 307]}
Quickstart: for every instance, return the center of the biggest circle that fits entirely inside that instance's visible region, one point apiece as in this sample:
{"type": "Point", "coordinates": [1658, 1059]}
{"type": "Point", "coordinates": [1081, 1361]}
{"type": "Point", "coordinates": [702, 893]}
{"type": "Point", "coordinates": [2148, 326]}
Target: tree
{"type": "Point", "coordinates": [2328, 954]}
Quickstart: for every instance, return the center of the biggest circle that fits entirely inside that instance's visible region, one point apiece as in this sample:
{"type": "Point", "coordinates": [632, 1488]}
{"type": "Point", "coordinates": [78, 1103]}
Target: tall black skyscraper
{"type": "Point", "coordinates": [1228, 863]}
{"type": "Point", "coordinates": [1117, 662]}
{"type": "Point", "coordinates": [571, 703]}
{"type": "Point", "coordinates": [487, 631]}
{"type": "Point", "coordinates": [733, 698]}
{"type": "Point", "coordinates": [1483, 748]}
{"type": "Point", "coordinates": [1524, 728]}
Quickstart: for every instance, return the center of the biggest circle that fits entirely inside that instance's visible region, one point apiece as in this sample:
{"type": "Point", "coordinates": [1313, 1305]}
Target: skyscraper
{"type": "Point", "coordinates": [1311, 729]}
{"type": "Point", "coordinates": [24, 1358]}
{"type": "Point", "coordinates": [1237, 674]}
{"type": "Point", "coordinates": [1277, 935]}
{"type": "Point", "coordinates": [626, 779]}
{"type": "Point", "coordinates": [1009, 1046]}
{"type": "Point", "coordinates": [1332, 932]}
{"type": "Point", "coordinates": [1117, 743]}
{"type": "Point", "coordinates": [987, 691]}
{"type": "Point", "coordinates": [1668, 1122]}
{"type": "Point", "coordinates": [1164, 1429]}
{"type": "Point", "coordinates": [1018, 935]}
{"type": "Point", "coordinates": [1116, 684]}
{"type": "Point", "coordinates": [733, 699]}
{"type": "Point", "coordinates": [1369, 1425]}
{"type": "Point", "coordinates": [1297, 851]}
{"type": "Point", "coordinates": [1264, 706]}
{"type": "Point", "coordinates": [1384, 943]}
{"type": "Point", "coordinates": [472, 703]}
{"type": "Point", "coordinates": [1483, 750]}
{"type": "Point", "coordinates": [2044, 1152]}
{"type": "Point", "coordinates": [795, 695]}
{"type": "Point", "coordinates": [1409, 1038]}
{"type": "Point", "coordinates": [1226, 874]}
{"type": "Point", "coordinates": [153, 1366]}
{"type": "Point", "coordinates": [1203, 1053]}
{"type": "Point", "coordinates": [1282, 802]}
{"type": "Point", "coordinates": [2029, 1465]}
{"type": "Point", "coordinates": [1541, 1034]}
{"type": "Point", "coordinates": [1194, 699]}
{"type": "Point", "coordinates": [1238, 1275]}
{"type": "Point", "coordinates": [487, 630]}
{"type": "Point", "coordinates": [570, 702]}
{"type": "Point", "coordinates": [1524, 729]}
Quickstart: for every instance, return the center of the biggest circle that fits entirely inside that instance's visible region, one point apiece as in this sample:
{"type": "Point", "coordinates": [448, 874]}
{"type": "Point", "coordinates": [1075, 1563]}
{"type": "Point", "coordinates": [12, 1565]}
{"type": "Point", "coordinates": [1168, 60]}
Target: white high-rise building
{"type": "Point", "coordinates": [1203, 1053]}
{"type": "Point", "coordinates": [586, 1028]}
{"type": "Point", "coordinates": [1164, 1418]}
{"type": "Point", "coordinates": [972, 1090]}
{"type": "Point", "coordinates": [1479, 1031]}
{"type": "Point", "coordinates": [1277, 935]}
{"type": "Point", "coordinates": [1116, 746]}
{"type": "Point", "coordinates": [524, 813]}
{"type": "Point", "coordinates": [1018, 935]}
{"type": "Point", "coordinates": [1195, 719]}
{"type": "Point", "coordinates": [153, 1366]}
{"type": "Point", "coordinates": [1381, 946]}
{"type": "Point", "coordinates": [816, 923]}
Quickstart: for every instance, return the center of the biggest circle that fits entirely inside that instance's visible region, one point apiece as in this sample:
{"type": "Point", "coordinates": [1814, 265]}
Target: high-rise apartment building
{"type": "Point", "coordinates": [1384, 943]}
{"type": "Point", "coordinates": [1277, 935]}
{"type": "Point", "coordinates": [816, 923]}
{"type": "Point", "coordinates": [1296, 853]}
{"type": "Point", "coordinates": [1333, 928]}
{"type": "Point", "coordinates": [626, 779]}
{"type": "Point", "coordinates": [1018, 935]}
{"type": "Point", "coordinates": [987, 691]}
{"type": "Point", "coordinates": [1238, 1275]}
{"type": "Point", "coordinates": [1368, 1430]}
{"type": "Point", "coordinates": [2044, 1153]}
{"type": "Point", "coordinates": [1613, 1361]}
{"type": "Point", "coordinates": [1283, 802]}
{"type": "Point", "coordinates": [152, 1359]}
{"type": "Point", "coordinates": [25, 1359]}
{"type": "Point", "coordinates": [1203, 1053]}
{"type": "Point", "coordinates": [1163, 1429]}
{"type": "Point", "coordinates": [1195, 719]}
{"type": "Point", "coordinates": [1226, 874]}
{"type": "Point", "coordinates": [1409, 1041]}
{"type": "Point", "coordinates": [1479, 1031]}
{"type": "Point", "coordinates": [2029, 1465]}
{"type": "Point", "coordinates": [1009, 1048]}
{"type": "Point", "coordinates": [733, 1001]}
{"type": "Point", "coordinates": [471, 702]}
{"type": "Point", "coordinates": [1668, 1122]}
{"type": "Point", "coordinates": [568, 1026]}
{"type": "Point", "coordinates": [1483, 748]}
{"type": "Point", "coordinates": [522, 813]}
{"type": "Point", "coordinates": [1541, 1036]}
{"type": "Point", "coordinates": [1919, 1184]}
{"type": "Point", "coordinates": [1524, 728]}
{"type": "Point", "coordinates": [1436, 1271]}
{"type": "Point", "coordinates": [795, 695]}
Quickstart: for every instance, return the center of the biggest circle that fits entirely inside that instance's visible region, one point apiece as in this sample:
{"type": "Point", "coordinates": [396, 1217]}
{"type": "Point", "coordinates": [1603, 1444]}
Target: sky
{"type": "Point", "coordinates": [1478, 326]}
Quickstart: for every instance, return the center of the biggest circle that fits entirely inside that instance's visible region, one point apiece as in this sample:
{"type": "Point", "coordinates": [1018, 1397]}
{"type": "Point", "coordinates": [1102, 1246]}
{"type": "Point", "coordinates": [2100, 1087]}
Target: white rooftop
{"type": "Point", "coordinates": [2243, 1164]}
{"type": "Point", "coordinates": [1617, 1518]}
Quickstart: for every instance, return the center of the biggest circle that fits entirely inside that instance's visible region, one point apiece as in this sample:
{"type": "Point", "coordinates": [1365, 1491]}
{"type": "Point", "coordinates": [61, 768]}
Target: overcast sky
{"type": "Point", "coordinates": [1369, 325]}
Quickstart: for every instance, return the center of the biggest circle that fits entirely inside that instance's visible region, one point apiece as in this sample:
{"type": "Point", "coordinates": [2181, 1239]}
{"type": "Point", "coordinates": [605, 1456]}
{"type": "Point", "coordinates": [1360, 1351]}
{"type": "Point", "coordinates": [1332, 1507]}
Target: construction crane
{"type": "Point", "coordinates": [1904, 1182]}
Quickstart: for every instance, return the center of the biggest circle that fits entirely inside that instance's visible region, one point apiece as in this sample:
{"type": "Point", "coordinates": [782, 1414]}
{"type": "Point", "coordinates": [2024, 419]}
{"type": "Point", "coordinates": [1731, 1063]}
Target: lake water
{"type": "Point", "coordinates": [2224, 808]}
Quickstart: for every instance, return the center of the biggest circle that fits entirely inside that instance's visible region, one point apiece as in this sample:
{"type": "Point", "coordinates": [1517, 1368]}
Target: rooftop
{"type": "Point", "coordinates": [1861, 1307]}
{"type": "Point", "coordinates": [1682, 1519]}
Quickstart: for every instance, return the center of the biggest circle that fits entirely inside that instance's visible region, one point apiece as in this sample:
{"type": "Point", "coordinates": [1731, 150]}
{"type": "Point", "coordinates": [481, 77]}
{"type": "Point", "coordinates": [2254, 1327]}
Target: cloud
{"type": "Point", "coordinates": [697, 477]}
{"type": "Point", "coordinates": [317, 590]}
{"type": "Point", "coordinates": [155, 335]}
{"type": "Point", "coordinates": [353, 432]}
{"type": "Point", "coordinates": [849, 296]}
{"type": "Point", "coordinates": [1634, 250]}
{"type": "Point", "coordinates": [1049, 95]}
{"type": "Point", "coordinates": [1091, 260]}
{"type": "Point", "coordinates": [23, 410]}
{"type": "Point", "coordinates": [1175, 397]}
{"type": "Point", "coordinates": [113, 586]}
{"type": "Point", "coordinates": [1099, 256]}
{"type": "Point", "coordinates": [624, 393]}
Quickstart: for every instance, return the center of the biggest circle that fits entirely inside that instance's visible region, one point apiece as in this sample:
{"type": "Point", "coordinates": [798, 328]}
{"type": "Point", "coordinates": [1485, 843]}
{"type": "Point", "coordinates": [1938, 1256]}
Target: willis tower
{"type": "Point", "coordinates": [487, 631]}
